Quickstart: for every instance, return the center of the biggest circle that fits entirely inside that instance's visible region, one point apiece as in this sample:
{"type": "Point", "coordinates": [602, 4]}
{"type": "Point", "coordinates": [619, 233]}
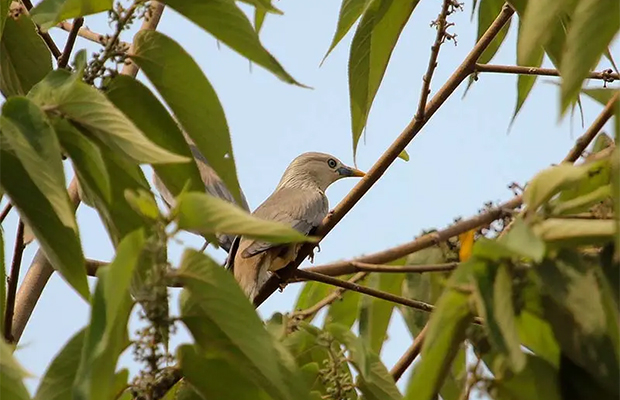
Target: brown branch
{"type": "Point", "coordinates": [412, 352]}
{"type": "Point", "coordinates": [18, 254]}
{"type": "Point", "coordinates": [379, 168]}
{"type": "Point", "coordinates": [66, 53]}
{"type": "Point", "coordinates": [607, 75]}
{"type": "Point", "coordinates": [358, 266]}
{"type": "Point", "coordinates": [5, 212]}
{"type": "Point", "coordinates": [44, 35]}
{"type": "Point", "coordinates": [150, 23]}
{"type": "Point", "coordinates": [89, 35]}
{"type": "Point", "coordinates": [572, 156]}
{"type": "Point", "coordinates": [327, 300]}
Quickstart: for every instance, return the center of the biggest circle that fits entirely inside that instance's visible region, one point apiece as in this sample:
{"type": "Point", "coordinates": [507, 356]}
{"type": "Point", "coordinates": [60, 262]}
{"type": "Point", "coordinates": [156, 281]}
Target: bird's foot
{"type": "Point", "coordinates": [311, 255]}
{"type": "Point", "coordinates": [282, 283]}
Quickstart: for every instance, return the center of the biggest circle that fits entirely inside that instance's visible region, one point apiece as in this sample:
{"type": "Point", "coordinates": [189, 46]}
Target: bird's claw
{"type": "Point", "coordinates": [282, 283]}
{"type": "Point", "coordinates": [311, 255]}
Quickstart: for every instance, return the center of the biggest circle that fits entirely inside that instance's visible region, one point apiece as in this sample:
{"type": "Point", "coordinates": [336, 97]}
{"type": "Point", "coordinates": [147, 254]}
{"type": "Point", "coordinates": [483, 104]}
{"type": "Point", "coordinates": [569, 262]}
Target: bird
{"type": "Point", "coordinates": [298, 201]}
{"type": "Point", "coordinates": [213, 185]}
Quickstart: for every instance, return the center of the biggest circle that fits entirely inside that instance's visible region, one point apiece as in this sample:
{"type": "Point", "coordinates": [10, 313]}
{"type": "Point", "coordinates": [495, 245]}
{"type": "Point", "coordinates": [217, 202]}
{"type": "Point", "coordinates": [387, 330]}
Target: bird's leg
{"type": "Point", "coordinates": [282, 283]}
{"type": "Point", "coordinates": [311, 255]}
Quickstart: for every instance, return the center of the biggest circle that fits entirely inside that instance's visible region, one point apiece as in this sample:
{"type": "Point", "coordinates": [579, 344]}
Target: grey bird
{"type": "Point", "coordinates": [213, 185]}
{"type": "Point", "coordinates": [298, 201]}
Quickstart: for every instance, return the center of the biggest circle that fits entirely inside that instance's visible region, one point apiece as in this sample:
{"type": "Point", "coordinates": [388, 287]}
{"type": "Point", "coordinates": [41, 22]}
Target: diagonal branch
{"type": "Point", "coordinates": [392, 152]}
{"type": "Point", "coordinates": [572, 156]}
{"type": "Point", "coordinates": [44, 35]}
{"type": "Point", "coordinates": [5, 211]}
{"type": "Point", "coordinates": [63, 60]}
{"type": "Point", "coordinates": [41, 269]}
{"type": "Point", "coordinates": [18, 253]}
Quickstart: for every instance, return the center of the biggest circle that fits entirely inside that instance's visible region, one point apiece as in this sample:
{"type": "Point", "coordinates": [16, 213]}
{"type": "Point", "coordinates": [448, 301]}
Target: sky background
{"type": "Point", "coordinates": [465, 155]}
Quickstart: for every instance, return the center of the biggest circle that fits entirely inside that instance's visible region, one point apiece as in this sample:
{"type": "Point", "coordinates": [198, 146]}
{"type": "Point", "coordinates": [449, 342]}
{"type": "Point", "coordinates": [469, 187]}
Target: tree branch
{"type": "Point", "coordinates": [607, 75]}
{"type": "Point", "coordinates": [88, 34]}
{"type": "Point", "coordinates": [412, 352]}
{"type": "Point", "coordinates": [66, 53]}
{"type": "Point", "coordinates": [18, 253]}
{"type": "Point", "coordinates": [149, 24]}
{"type": "Point", "coordinates": [357, 266]}
{"type": "Point", "coordinates": [379, 168]}
{"type": "Point", "coordinates": [44, 35]}
{"type": "Point", "coordinates": [5, 212]}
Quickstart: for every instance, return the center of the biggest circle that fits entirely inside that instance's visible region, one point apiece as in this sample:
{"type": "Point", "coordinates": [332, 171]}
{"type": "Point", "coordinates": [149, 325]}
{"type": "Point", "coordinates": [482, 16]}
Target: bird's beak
{"type": "Point", "coordinates": [348, 171]}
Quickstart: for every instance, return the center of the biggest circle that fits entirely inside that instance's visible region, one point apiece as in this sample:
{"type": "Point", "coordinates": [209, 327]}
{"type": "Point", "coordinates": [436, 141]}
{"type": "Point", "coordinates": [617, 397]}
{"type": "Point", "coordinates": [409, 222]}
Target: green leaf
{"type": "Point", "coordinates": [225, 20]}
{"type": "Point", "coordinates": [60, 242]}
{"type": "Point", "coordinates": [375, 314]}
{"type": "Point", "coordinates": [3, 277]}
{"type": "Point", "coordinates": [31, 137]}
{"type": "Point", "coordinates": [91, 110]}
{"type": "Point", "coordinates": [207, 214]}
{"type": "Point", "coordinates": [525, 83]}
{"type": "Point", "coordinates": [350, 12]}
{"type": "Point", "coordinates": [259, 19]}
{"type": "Point", "coordinates": [520, 241]}
{"type": "Point", "coordinates": [583, 315]}
{"type": "Point", "coordinates": [446, 330]}
{"type": "Point", "coordinates": [24, 57]}
{"type": "Point", "coordinates": [537, 381]}
{"type": "Point", "coordinates": [11, 375]}
{"type": "Point", "coordinates": [311, 293]}
{"type": "Point", "coordinates": [575, 231]}
{"type": "Point", "coordinates": [106, 336]}
{"type": "Point", "coordinates": [372, 46]}
{"type": "Point", "coordinates": [88, 163]}
{"type": "Point", "coordinates": [225, 324]}
{"type": "Point", "coordinates": [535, 30]}
{"type": "Point", "coordinates": [191, 97]}
{"type": "Point", "coordinates": [138, 103]}
{"type": "Point", "coordinates": [594, 25]}
{"type": "Point", "coordinates": [5, 6]}
{"type": "Point", "coordinates": [454, 383]}
{"type": "Point", "coordinates": [582, 203]}
{"type": "Point", "coordinates": [263, 5]}
{"type": "Point", "coordinates": [487, 13]}
{"type": "Point", "coordinates": [57, 382]}
{"type": "Point", "coordinates": [377, 384]}
{"type": "Point", "coordinates": [344, 310]}
{"type": "Point", "coordinates": [182, 390]}
{"type": "Point", "coordinates": [494, 300]}
{"type": "Point", "coordinates": [49, 13]}
{"type": "Point", "coordinates": [600, 95]}
{"type": "Point", "coordinates": [536, 334]}
{"type": "Point", "coordinates": [143, 203]}
{"type": "Point", "coordinates": [214, 377]}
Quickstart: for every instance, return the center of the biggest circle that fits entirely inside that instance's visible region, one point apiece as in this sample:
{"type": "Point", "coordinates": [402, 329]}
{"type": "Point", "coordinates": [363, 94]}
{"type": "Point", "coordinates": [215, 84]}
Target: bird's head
{"type": "Point", "coordinates": [316, 169]}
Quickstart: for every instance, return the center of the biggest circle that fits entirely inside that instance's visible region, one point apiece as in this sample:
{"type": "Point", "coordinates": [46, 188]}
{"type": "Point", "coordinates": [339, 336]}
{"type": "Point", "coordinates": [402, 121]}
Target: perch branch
{"type": "Point", "coordinates": [40, 269]}
{"type": "Point", "coordinates": [89, 35]}
{"type": "Point", "coordinates": [379, 168]}
{"type": "Point", "coordinates": [66, 53]}
{"type": "Point", "coordinates": [572, 156]}
{"type": "Point", "coordinates": [607, 75]}
{"type": "Point", "coordinates": [18, 253]}
{"type": "Point", "coordinates": [358, 266]}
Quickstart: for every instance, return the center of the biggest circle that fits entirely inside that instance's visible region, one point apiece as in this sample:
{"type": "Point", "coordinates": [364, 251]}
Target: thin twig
{"type": "Point", "coordinates": [89, 35]}
{"type": "Point", "coordinates": [44, 35]}
{"type": "Point", "coordinates": [412, 352]}
{"type": "Point", "coordinates": [327, 300]}
{"type": "Point", "coordinates": [572, 156]}
{"type": "Point", "coordinates": [18, 254]}
{"type": "Point", "coordinates": [607, 75]}
{"type": "Point", "coordinates": [5, 212]}
{"type": "Point", "coordinates": [66, 53]}
{"type": "Point", "coordinates": [379, 168]}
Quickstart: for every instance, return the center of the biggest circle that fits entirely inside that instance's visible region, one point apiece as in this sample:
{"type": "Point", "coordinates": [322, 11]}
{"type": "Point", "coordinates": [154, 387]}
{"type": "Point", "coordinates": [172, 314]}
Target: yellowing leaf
{"type": "Point", "coordinates": [467, 243]}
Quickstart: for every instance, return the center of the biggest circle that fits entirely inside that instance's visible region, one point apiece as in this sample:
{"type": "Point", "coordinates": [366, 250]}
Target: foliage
{"type": "Point", "coordinates": [537, 302]}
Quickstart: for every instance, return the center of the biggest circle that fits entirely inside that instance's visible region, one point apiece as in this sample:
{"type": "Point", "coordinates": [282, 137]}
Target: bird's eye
{"type": "Point", "coordinates": [332, 163]}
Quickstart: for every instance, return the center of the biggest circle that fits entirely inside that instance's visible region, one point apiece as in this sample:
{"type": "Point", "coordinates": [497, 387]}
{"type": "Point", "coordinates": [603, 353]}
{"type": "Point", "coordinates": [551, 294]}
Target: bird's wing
{"type": "Point", "coordinates": [213, 185]}
{"type": "Point", "coordinates": [300, 209]}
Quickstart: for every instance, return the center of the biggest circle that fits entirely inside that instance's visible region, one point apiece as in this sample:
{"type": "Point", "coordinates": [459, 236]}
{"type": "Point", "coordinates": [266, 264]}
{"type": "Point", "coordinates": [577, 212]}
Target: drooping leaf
{"type": "Point", "coordinates": [259, 19]}
{"type": "Point", "coordinates": [344, 310]}
{"type": "Point", "coordinates": [350, 12]}
{"type": "Point", "coordinates": [191, 97]}
{"type": "Point", "coordinates": [311, 293]}
{"type": "Point", "coordinates": [594, 25]}
{"type": "Point", "coordinates": [600, 95]}
{"type": "Point", "coordinates": [535, 32]}
{"type": "Point", "coordinates": [24, 57]}
{"type": "Point", "coordinates": [87, 160]}
{"type": "Point", "coordinates": [224, 323]}
{"type": "Point", "coordinates": [375, 314]}
{"type": "Point", "coordinates": [583, 316]}
{"type": "Point", "coordinates": [535, 333]}
{"type": "Point", "coordinates": [60, 242]}
{"type": "Point", "coordinates": [377, 384]}
{"type": "Point", "coordinates": [525, 83]}
{"type": "Point", "coordinates": [138, 103]}
{"type": "Point", "coordinates": [456, 378]}
{"type": "Point", "coordinates": [207, 214]}
{"type": "Point", "coordinates": [487, 13]}
{"type": "Point", "coordinates": [11, 375]}
{"type": "Point", "coordinates": [263, 5]}
{"type": "Point", "coordinates": [48, 13]}
{"type": "Point", "coordinates": [91, 110]}
{"type": "Point", "coordinates": [106, 336]}
{"type": "Point", "coordinates": [537, 381]}
{"type": "Point", "coordinates": [575, 231]}
{"type": "Point", "coordinates": [214, 377]}
{"type": "Point", "coordinates": [372, 46]}
{"type": "Point", "coordinates": [225, 20]}
{"type": "Point", "coordinates": [57, 383]}
{"type": "Point", "coordinates": [584, 202]}
{"type": "Point", "coordinates": [30, 135]}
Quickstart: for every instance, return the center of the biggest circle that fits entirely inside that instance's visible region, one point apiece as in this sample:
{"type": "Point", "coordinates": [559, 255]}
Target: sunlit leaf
{"type": "Point", "coordinates": [11, 375]}
{"type": "Point", "coordinates": [466, 241]}
{"type": "Point", "coordinates": [191, 97]}
{"type": "Point", "coordinates": [207, 214]}
{"type": "Point", "coordinates": [372, 46]}
{"type": "Point", "coordinates": [225, 20]}
{"type": "Point", "coordinates": [48, 13]}
{"type": "Point", "coordinates": [60, 242]}
{"type": "Point", "coordinates": [24, 57]}
{"type": "Point", "coordinates": [536, 334]}
{"type": "Point", "coordinates": [350, 12]}
{"type": "Point", "coordinates": [594, 25]}
{"type": "Point", "coordinates": [525, 83]}
{"type": "Point", "coordinates": [311, 293]}
{"type": "Point", "coordinates": [57, 383]}
{"type": "Point", "coordinates": [575, 231]}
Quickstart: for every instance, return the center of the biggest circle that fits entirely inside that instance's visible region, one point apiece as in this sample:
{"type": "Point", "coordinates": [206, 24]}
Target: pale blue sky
{"type": "Point", "coordinates": [463, 158]}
